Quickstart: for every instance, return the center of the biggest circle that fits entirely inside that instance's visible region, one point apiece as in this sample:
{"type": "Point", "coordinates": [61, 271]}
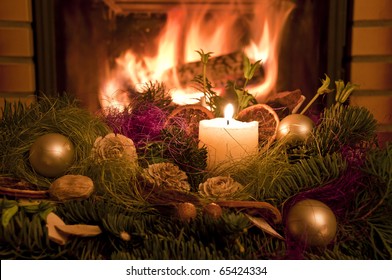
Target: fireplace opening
{"type": "Point", "coordinates": [95, 43]}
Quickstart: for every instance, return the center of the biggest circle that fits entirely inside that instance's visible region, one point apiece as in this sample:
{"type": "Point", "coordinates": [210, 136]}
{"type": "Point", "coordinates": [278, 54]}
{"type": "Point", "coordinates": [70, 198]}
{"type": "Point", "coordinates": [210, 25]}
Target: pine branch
{"type": "Point", "coordinates": [328, 254]}
{"type": "Point", "coordinates": [212, 99]}
{"type": "Point", "coordinates": [303, 175]}
{"type": "Point", "coordinates": [343, 125]}
{"type": "Point", "coordinates": [154, 93]}
{"type": "Point", "coordinates": [25, 124]}
{"type": "Point", "coordinates": [25, 237]}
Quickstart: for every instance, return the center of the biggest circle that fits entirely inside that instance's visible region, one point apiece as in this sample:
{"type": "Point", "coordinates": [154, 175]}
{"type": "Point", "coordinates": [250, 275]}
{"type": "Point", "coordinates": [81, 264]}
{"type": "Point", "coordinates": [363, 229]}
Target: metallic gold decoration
{"type": "Point", "coordinates": [295, 128]}
{"type": "Point", "coordinates": [311, 222]}
{"type": "Point", "coordinates": [51, 155]}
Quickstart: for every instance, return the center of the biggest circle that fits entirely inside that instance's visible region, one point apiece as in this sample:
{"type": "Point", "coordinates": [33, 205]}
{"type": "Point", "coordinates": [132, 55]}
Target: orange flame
{"type": "Point", "coordinates": [188, 29]}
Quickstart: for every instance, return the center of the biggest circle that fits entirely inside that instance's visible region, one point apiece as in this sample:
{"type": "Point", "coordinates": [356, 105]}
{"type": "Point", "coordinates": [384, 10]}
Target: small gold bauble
{"type": "Point", "coordinates": [311, 222]}
{"type": "Point", "coordinates": [51, 155]}
{"type": "Point", "coordinates": [295, 128]}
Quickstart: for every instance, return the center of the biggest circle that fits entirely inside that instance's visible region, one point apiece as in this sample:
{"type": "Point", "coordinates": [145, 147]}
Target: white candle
{"type": "Point", "coordinates": [228, 140]}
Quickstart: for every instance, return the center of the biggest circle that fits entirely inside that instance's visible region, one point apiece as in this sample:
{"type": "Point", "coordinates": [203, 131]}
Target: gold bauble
{"type": "Point", "coordinates": [295, 128]}
{"type": "Point", "coordinates": [311, 222]}
{"type": "Point", "coordinates": [51, 155]}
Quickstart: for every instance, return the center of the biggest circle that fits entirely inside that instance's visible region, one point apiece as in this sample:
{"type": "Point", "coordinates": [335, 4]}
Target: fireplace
{"type": "Point", "coordinates": [90, 37]}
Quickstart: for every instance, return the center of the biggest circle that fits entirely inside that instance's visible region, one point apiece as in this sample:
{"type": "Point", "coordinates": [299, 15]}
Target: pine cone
{"type": "Point", "coordinates": [166, 175]}
{"type": "Point", "coordinates": [219, 187]}
{"type": "Point", "coordinates": [114, 146]}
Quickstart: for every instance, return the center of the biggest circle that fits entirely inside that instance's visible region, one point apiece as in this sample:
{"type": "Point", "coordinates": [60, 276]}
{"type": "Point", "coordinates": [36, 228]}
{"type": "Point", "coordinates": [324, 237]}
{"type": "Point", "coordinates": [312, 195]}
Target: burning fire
{"type": "Point", "coordinates": [253, 29]}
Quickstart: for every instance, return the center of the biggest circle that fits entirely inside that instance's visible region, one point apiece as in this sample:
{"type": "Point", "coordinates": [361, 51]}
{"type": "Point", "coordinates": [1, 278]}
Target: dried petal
{"type": "Point", "coordinates": [52, 220]}
{"type": "Point", "coordinates": [80, 230]}
{"type": "Point", "coordinates": [167, 176]}
{"type": "Point", "coordinates": [264, 226]}
{"type": "Point", "coordinates": [114, 146]}
{"type": "Point", "coordinates": [219, 187]}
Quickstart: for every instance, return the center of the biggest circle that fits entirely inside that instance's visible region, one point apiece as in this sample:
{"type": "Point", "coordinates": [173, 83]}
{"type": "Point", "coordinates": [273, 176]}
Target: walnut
{"type": "Point", "coordinates": [70, 187]}
{"type": "Point", "coordinates": [221, 187]}
{"type": "Point", "coordinates": [167, 176]}
{"type": "Point", "coordinates": [114, 146]}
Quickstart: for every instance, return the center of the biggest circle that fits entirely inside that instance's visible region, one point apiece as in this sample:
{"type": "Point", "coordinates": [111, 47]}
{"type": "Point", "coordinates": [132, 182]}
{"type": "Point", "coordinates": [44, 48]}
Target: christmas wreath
{"type": "Point", "coordinates": [133, 183]}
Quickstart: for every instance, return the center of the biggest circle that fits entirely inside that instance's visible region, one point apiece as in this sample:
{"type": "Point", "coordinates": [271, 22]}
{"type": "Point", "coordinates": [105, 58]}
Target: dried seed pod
{"type": "Point", "coordinates": [186, 211]}
{"type": "Point", "coordinates": [212, 210]}
{"type": "Point", "coordinates": [125, 236]}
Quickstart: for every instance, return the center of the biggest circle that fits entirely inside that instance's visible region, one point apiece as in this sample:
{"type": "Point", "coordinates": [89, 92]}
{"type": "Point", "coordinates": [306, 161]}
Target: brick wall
{"type": "Point", "coordinates": [371, 60]}
{"type": "Point", "coordinates": [17, 74]}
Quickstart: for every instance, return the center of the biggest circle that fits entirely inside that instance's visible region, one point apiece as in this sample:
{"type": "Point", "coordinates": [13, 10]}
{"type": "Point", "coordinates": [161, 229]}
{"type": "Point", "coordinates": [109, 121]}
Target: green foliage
{"type": "Point", "coordinates": [21, 125]}
{"type": "Point", "coordinates": [343, 91]}
{"type": "Point", "coordinates": [342, 125]}
{"type": "Point", "coordinates": [185, 153]}
{"type": "Point", "coordinates": [154, 93]}
{"type": "Point", "coordinates": [271, 177]}
{"type": "Point", "coordinates": [134, 228]}
{"type": "Point", "coordinates": [215, 101]}
{"type": "Point", "coordinates": [376, 202]}
{"type": "Point", "coordinates": [180, 149]}
{"type": "Point", "coordinates": [304, 175]}
{"type": "Point", "coordinates": [328, 255]}
{"type": "Point", "coordinates": [169, 249]}
{"type": "Point", "coordinates": [379, 164]}
{"type": "Point", "coordinates": [212, 99]}
{"type": "Point", "coordinates": [8, 210]}
{"type": "Point", "coordinates": [114, 179]}
{"type": "Point", "coordinates": [151, 236]}
{"type": "Point", "coordinates": [25, 234]}
{"type": "Point", "coordinates": [244, 98]}
{"type": "Point", "coordinates": [324, 88]}
{"type": "Point", "coordinates": [250, 69]}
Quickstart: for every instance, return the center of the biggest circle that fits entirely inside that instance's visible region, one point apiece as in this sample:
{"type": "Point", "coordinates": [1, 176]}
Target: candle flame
{"type": "Point", "coordinates": [229, 111]}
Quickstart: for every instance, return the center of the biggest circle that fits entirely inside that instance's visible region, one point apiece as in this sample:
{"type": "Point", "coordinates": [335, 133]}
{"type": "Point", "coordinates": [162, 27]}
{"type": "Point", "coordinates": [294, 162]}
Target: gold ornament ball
{"type": "Point", "coordinates": [295, 128]}
{"type": "Point", "coordinates": [51, 155]}
{"type": "Point", "coordinates": [312, 223]}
